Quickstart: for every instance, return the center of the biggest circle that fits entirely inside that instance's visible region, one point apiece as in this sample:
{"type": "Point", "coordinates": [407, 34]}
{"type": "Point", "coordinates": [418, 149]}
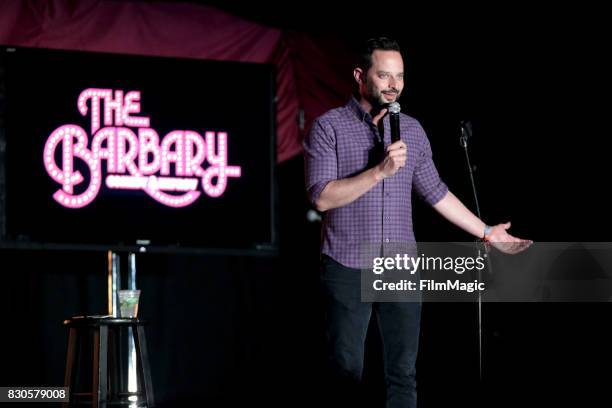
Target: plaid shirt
{"type": "Point", "coordinates": [343, 143]}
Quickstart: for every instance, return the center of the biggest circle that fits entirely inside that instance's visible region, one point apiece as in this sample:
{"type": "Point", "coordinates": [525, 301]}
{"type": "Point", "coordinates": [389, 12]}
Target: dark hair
{"type": "Point", "coordinates": [364, 58]}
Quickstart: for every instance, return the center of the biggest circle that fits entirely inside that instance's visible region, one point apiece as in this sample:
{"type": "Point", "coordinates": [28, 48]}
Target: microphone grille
{"type": "Point", "coordinates": [394, 107]}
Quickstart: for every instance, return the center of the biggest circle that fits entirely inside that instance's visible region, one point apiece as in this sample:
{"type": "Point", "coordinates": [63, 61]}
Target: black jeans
{"type": "Point", "coordinates": [346, 324]}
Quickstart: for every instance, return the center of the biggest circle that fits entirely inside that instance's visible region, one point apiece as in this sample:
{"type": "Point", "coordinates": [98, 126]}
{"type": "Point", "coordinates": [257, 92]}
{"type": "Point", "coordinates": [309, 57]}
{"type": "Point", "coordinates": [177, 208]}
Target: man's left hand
{"type": "Point", "coordinates": [504, 242]}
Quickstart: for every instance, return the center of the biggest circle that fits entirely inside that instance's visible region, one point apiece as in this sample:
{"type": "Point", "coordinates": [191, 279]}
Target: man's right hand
{"type": "Point", "coordinates": [394, 160]}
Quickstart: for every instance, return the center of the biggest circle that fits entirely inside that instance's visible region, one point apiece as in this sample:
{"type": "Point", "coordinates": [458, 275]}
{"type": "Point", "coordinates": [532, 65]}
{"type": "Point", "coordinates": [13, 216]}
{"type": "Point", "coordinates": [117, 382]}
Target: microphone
{"type": "Point", "coordinates": [466, 129]}
{"type": "Point", "coordinates": [394, 111]}
{"type": "Point", "coordinates": [466, 132]}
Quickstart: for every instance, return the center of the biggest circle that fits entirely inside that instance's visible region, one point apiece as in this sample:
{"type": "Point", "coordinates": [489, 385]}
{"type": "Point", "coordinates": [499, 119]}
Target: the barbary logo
{"type": "Point", "coordinates": [135, 161]}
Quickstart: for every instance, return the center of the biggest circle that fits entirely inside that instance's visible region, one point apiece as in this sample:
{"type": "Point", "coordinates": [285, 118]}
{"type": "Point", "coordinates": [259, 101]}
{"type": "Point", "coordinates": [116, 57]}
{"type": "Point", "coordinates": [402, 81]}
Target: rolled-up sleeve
{"type": "Point", "coordinates": [320, 159]}
{"type": "Point", "coordinates": [426, 180]}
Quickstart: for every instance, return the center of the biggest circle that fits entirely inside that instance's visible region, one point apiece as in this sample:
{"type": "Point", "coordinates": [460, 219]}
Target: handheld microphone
{"type": "Point", "coordinates": [394, 120]}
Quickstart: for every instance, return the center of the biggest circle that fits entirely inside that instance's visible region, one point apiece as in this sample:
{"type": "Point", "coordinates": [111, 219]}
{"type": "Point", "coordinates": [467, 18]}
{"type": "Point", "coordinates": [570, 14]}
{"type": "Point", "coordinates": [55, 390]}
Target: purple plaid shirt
{"type": "Point", "coordinates": [339, 146]}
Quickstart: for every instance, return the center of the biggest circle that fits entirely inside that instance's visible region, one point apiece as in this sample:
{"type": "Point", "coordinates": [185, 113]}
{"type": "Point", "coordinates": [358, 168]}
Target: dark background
{"type": "Point", "coordinates": [226, 331]}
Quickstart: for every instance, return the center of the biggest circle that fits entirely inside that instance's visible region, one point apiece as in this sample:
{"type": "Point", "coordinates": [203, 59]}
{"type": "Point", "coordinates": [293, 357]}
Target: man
{"type": "Point", "coordinates": [366, 198]}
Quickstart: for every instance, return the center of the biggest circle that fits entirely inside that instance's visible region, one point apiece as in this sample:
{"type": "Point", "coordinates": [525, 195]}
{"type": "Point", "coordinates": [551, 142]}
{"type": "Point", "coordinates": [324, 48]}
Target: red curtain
{"type": "Point", "coordinates": [323, 67]}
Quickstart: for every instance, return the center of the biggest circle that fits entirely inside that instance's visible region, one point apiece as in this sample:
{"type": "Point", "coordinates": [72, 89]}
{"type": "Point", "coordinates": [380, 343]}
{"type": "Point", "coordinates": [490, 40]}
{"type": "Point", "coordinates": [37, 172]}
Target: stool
{"type": "Point", "coordinates": [109, 362]}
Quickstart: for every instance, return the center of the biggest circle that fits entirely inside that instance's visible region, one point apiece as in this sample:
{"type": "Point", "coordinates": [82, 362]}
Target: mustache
{"type": "Point", "coordinates": [392, 90]}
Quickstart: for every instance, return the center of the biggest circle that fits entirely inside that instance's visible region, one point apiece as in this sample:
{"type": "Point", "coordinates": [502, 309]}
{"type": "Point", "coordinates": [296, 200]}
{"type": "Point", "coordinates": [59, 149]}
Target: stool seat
{"type": "Point", "coordinates": [104, 334]}
{"type": "Point", "coordinates": [102, 320]}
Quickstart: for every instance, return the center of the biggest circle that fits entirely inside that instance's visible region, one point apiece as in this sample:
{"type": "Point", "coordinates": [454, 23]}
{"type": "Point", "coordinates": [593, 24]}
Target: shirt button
{"type": "Point", "coordinates": [386, 239]}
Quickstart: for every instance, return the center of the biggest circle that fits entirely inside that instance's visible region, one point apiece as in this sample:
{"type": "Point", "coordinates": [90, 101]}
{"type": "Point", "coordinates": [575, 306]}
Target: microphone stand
{"type": "Point", "coordinates": [466, 134]}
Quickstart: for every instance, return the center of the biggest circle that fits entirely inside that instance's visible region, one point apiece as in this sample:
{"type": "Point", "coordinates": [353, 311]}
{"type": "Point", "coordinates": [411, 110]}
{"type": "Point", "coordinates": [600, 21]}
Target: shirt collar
{"type": "Point", "coordinates": [354, 106]}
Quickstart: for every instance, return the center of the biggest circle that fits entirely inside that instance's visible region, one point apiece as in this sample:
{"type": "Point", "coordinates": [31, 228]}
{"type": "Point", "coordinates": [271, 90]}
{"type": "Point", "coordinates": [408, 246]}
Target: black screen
{"type": "Point", "coordinates": [41, 90]}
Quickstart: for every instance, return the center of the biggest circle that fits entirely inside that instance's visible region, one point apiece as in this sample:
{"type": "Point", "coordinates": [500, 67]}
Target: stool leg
{"type": "Point", "coordinates": [100, 373]}
{"type": "Point", "coordinates": [141, 348]}
{"type": "Point", "coordinates": [70, 358]}
{"type": "Point", "coordinates": [114, 368]}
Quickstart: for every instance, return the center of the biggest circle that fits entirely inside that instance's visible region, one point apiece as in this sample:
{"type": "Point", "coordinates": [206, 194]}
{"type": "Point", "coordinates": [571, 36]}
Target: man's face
{"type": "Point", "coordinates": [384, 81]}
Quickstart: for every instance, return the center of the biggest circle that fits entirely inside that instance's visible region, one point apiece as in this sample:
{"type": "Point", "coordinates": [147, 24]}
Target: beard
{"type": "Point", "coordinates": [377, 98]}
